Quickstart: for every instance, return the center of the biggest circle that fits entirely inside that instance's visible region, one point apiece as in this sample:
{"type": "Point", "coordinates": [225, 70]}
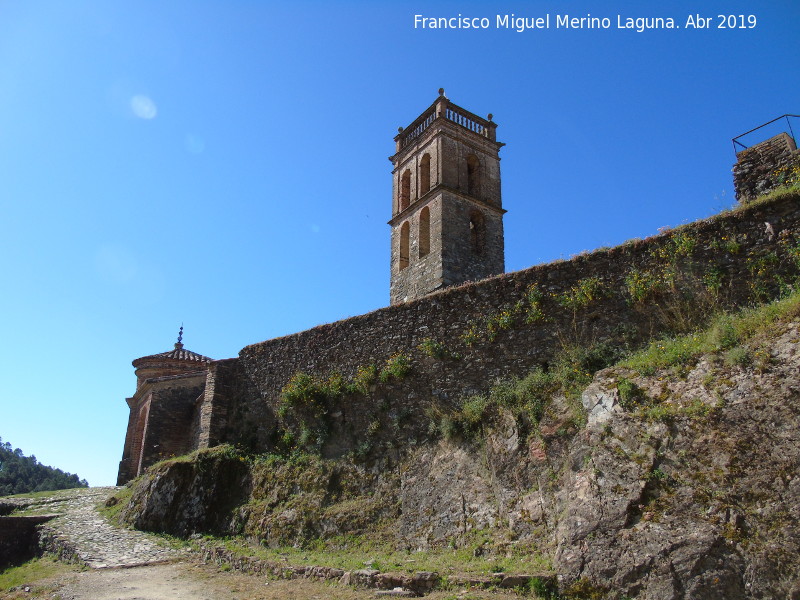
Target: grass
{"type": "Point", "coordinates": [778, 193]}
{"type": "Point", "coordinates": [35, 573]}
{"type": "Point", "coordinates": [528, 398]}
{"type": "Point", "coordinates": [726, 333]}
{"type": "Point", "coordinates": [111, 511]}
{"type": "Point", "coordinates": [42, 494]}
{"type": "Point", "coordinates": [355, 552]}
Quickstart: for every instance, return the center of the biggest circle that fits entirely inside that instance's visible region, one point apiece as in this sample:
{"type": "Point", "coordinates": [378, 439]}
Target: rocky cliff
{"type": "Point", "coordinates": [673, 474]}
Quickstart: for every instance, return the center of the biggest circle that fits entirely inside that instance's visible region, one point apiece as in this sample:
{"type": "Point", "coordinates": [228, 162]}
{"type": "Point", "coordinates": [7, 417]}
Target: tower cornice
{"type": "Point", "coordinates": [443, 113]}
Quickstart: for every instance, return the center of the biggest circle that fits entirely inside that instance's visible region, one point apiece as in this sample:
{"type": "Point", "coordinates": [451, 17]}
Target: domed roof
{"type": "Point", "coordinates": [178, 353]}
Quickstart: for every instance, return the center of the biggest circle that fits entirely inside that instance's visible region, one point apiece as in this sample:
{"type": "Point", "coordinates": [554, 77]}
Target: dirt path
{"type": "Point", "coordinates": [132, 565]}
{"type": "Point", "coordinates": [80, 530]}
{"type": "Point", "coordinates": [188, 581]}
{"type": "Point", "coordinates": [156, 582]}
{"type": "Point", "coordinates": [182, 581]}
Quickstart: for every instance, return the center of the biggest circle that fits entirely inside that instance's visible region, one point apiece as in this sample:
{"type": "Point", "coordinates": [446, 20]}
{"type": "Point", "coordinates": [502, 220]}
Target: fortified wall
{"type": "Point", "coordinates": [460, 340]}
{"type": "Point", "coordinates": [373, 384]}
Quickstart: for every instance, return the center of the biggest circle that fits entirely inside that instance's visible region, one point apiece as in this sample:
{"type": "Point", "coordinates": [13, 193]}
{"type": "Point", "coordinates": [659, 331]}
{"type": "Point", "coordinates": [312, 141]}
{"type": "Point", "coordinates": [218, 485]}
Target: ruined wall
{"type": "Point", "coordinates": [765, 166]}
{"type": "Point", "coordinates": [512, 323]}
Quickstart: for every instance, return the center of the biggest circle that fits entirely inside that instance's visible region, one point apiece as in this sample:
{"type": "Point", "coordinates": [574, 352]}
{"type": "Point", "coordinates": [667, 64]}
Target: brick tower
{"type": "Point", "coordinates": [447, 213]}
{"type": "Point", "coordinates": [161, 422]}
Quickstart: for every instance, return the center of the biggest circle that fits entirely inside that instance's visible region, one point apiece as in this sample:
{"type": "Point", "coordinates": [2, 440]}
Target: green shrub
{"type": "Point", "coordinates": [543, 589]}
{"type": "Point", "coordinates": [471, 335]}
{"type": "Point", "coordinates": [630, 394]}
{"type": "Point", "coordinates": [501, 320]}
{"type": "Point", "coordinates": [438, 350]}
{"type": "Point", "coordinates": [713, 279]}
{"type": "Point", "coordinates": [528, 395]}
{"type": "Point", "coordinates": [534, 311]}
{"type": "Point", "coordinates": [738, 356]}
{"type": "Point", "coordinates": [683, 244]}
{"type": "Point", "coordinates": [584, 589]}
{"type": "Point", "coordinates": [723, 333]}
{"type": "Point", "coordinates": [396, 367]}
{"type": "Point", "coordinates": [641, 286]}
{"type": "Point", "coordinates": [308, 393]}
{"type": "Point", "coordinates": [791, 246]}
{"type": "Point", "coordinates": [473, 410]}
{"type": "Point", "coordinates": [363, 379]}
{"type": "Point", "coordinates": [582, 294]}
{"type": "Point", "coordinates": [449, 427]}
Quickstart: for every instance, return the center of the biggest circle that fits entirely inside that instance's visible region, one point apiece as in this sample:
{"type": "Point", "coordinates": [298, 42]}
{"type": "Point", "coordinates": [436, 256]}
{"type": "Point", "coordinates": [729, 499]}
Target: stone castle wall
{"type": "Point", "coordinates": [510, 324]}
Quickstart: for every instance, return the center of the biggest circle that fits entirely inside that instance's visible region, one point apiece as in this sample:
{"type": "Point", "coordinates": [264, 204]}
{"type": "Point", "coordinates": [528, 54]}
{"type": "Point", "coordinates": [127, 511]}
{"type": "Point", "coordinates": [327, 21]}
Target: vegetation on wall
{"type": "Point", "coordinates": [680, 283]}
{"type": "Point", "coordinates": [683, 295]}
{"type": "Point", "coordinates": [306, 399]}
{"type": "Point", "coordinates": [527, 398]}
{"type": "Point", "coordinates": [727, 334]}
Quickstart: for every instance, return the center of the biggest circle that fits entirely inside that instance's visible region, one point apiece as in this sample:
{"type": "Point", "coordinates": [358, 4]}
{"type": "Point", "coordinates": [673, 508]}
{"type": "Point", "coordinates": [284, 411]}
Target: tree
{"type": "Point", "coordinates": [20, 474]}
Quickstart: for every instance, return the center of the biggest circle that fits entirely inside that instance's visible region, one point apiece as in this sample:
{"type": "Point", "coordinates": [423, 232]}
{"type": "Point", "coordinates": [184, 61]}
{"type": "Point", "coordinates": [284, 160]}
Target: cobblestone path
{"type": "Point", "coordinates": [81, 533]}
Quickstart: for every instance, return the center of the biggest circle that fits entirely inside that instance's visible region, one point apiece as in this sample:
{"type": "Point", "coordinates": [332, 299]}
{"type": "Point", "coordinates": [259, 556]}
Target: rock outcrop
{"type": "Point", "coordinates": [682, 483]}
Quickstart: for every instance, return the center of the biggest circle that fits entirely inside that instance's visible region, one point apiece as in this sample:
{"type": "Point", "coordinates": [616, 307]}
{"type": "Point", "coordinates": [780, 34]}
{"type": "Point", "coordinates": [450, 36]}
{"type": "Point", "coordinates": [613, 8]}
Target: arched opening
{"type": "Point", "coordinates": [477, 231]}
{"type": "Point", "coordinates": [405, 190]}
{"type": "Point", "coordinates": [424, 232]}
{"type": "Point", "coordinates": [473, 175]}
{"type": "Point", "coordinates": [424, 175]}
{"type": "Point", "coordinates": [404, 245]}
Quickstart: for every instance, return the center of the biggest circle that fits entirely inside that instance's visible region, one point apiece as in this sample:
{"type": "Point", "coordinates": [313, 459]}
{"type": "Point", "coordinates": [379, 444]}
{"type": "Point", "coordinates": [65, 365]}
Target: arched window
{"type": "Point", "coordinates": [404, 245]}
{"type": "Point", "coordinates": [405, 189]}
{"type": "Point", "coordinates": [424, 175]}
{"type": "Point", "coordinates": [473, 175]}
{"type": "Point", "coordinates": [477, 231]}
{"type": "Point", "coordinates": [424, 232]}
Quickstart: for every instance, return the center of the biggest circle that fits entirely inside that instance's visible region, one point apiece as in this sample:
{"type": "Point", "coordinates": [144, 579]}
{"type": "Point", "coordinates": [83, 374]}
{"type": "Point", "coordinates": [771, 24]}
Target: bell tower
{"type": "Point", "coordinates": [447, 213]}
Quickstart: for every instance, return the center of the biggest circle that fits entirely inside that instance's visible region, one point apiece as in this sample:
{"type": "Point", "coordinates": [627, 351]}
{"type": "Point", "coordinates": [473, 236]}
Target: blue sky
{"type": "Point", "coordinates": [224, 165]}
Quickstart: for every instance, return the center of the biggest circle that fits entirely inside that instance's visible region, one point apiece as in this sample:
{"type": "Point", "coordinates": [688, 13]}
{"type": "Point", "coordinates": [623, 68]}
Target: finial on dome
{"type": "Point", "coordinates": [441, 91]}
{"type": "Point", "coordinates": [179, 345]}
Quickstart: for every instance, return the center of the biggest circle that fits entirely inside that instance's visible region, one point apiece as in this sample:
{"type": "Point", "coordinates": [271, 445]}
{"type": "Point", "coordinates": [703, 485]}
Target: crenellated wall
{"type": "Point", "coordinates": [509, 324]}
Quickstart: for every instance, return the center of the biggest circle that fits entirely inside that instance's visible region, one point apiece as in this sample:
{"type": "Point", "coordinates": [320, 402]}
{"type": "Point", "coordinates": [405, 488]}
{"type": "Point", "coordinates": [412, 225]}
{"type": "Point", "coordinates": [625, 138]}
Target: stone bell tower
{"type": "Point", "coordinates": [447, 213]}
